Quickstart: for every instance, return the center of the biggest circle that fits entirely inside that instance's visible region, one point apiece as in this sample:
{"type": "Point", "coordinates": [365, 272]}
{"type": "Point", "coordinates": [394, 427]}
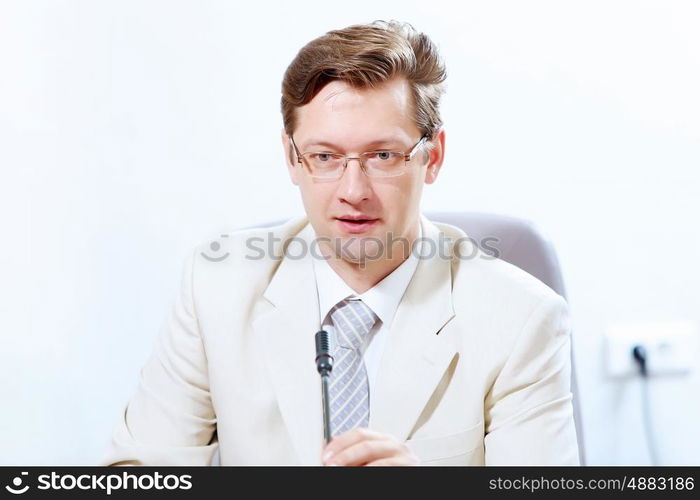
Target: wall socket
{"type": "Point", "coordinates": [671, 348]}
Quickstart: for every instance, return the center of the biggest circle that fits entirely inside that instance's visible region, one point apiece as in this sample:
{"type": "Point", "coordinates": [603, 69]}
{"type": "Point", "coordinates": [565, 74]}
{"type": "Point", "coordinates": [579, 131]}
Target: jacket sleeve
{"type": "Point", "coordinates": [529, 412]}
{"type": "Point", "coordinates": [170, 419]}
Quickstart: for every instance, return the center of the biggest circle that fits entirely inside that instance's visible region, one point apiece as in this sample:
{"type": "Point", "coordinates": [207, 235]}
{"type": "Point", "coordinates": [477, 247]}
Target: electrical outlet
{"type": "Point", "coordinates": [670, 348]}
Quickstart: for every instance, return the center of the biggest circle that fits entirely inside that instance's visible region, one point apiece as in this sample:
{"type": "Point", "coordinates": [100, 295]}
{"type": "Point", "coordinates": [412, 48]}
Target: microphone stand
{"type": "Point", "coordinates": [326, 409]}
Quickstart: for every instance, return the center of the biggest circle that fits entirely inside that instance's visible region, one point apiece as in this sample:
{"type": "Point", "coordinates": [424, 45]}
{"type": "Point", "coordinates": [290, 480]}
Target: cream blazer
{"type": "Point", "coordinates": [476, 369]}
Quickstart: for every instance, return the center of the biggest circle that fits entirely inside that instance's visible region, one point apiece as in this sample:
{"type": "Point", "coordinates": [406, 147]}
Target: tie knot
{"type": "Point", "coordinates": [353, 319]}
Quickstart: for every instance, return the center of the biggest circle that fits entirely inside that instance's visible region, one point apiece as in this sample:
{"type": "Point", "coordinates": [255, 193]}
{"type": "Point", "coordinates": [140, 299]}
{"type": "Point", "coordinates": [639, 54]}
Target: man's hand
{"type": "Point", "coordinates": [362, 446]}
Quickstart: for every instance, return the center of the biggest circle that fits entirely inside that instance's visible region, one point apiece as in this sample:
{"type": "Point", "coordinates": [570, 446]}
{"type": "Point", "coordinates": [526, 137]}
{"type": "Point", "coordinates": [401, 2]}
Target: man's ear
{"type": "Point", "coordinates": [290, 160]}
{"type": "Point", "coordinates": [436, 156]}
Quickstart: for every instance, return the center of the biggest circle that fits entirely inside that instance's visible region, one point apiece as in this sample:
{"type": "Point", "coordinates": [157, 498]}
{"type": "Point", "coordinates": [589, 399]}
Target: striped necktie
{"type": "Point", "coordinates": [349, 387]}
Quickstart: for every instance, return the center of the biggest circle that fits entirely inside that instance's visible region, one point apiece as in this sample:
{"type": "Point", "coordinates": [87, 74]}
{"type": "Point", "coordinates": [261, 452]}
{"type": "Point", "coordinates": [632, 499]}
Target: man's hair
{"type": "Point", "coordinates": [367, 55]}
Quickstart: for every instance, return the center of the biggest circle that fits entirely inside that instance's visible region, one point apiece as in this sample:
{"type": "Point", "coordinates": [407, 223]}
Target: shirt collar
{"type": "Point", "coordinates": [383, 298]}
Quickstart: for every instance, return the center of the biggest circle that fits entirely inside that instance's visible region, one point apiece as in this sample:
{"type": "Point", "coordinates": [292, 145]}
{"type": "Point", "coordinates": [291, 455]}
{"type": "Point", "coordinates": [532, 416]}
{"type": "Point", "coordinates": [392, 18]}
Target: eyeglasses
{"type": "Point", "coordinates": [328, 165]}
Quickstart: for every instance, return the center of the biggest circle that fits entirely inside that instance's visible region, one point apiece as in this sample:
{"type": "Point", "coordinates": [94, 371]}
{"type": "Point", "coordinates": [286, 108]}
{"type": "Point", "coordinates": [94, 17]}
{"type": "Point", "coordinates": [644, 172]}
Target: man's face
{"type": "Point", "coordinates": [350, 121]}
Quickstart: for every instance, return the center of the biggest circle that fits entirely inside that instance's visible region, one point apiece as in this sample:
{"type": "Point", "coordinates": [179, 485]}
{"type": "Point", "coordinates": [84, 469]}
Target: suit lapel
{"type": "Point", "coordinates": [415, 356]}
{"type": "Point", "coordinates": [285, 334]}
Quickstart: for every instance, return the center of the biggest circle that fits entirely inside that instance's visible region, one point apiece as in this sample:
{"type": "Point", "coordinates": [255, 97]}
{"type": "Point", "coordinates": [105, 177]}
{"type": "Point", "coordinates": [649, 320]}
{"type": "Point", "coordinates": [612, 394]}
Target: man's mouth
{"type": "Point", "coordinates": [356, 224]}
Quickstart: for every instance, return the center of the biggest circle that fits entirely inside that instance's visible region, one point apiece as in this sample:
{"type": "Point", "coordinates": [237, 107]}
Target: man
{"type": "Point", "coordinates": [443, 355]}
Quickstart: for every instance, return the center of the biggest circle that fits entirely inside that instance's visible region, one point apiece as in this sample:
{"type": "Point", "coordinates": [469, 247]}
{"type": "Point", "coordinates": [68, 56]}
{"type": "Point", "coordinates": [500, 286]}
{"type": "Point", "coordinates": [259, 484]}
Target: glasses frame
{"type": "Point", "coordinates": [406, 156]}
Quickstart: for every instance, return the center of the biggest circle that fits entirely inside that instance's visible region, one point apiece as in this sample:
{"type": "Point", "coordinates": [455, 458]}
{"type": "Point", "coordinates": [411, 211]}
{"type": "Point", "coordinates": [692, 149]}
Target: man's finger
{"type": "Point", "coordinates": [364, 451]}
{"type": "Point", "coordinates": [349, 438]}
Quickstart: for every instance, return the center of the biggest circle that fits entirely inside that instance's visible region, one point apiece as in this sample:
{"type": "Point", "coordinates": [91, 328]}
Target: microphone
{"type": "Point", "coordinates": [324, 366]}
{"type": "Point", "coordinates": [324, 360]}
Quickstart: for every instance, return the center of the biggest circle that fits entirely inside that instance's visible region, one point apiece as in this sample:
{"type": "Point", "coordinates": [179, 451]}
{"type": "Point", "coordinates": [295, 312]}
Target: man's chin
{"type": "Point", "coordinates": [357, 249]}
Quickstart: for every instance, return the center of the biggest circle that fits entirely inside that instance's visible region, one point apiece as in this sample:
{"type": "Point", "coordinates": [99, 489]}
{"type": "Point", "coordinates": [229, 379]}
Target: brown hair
{"type": "Point", "coordinates": [367, 55]}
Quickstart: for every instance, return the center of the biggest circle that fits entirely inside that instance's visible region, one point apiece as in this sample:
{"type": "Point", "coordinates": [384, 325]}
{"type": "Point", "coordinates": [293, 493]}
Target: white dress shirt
{"type": "Point", "coordinates": [383, 298]}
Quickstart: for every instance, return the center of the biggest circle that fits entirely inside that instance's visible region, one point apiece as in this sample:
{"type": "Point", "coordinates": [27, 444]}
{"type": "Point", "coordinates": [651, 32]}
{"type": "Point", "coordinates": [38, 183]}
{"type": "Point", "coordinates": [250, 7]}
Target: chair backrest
{"type": "Point", "coordinates": [518, 242]}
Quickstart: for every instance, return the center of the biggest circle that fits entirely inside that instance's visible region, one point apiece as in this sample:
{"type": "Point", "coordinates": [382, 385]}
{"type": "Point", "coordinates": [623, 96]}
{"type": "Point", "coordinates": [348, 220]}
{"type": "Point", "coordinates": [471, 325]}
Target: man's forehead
{"type": "Point", "coordinates": [340, 95]}
{"type": "Point", "coordinates": [341, 116]}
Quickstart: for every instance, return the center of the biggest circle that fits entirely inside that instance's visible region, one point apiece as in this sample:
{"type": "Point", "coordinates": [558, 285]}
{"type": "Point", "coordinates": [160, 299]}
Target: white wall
{"type": "Point", "coordinates": [131, 130]}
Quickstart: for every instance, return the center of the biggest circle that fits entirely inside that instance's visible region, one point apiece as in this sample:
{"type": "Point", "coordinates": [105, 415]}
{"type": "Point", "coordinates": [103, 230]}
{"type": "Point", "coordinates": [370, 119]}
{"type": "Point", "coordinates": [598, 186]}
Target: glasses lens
{"type": "Point", "coordinates": [325, 164]}
{"type": "Point", "coordinates": [384, 163]}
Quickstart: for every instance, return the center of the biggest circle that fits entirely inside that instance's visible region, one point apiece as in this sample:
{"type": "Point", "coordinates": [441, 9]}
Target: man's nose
{"type": "Point", "coordinates": [354, 186]}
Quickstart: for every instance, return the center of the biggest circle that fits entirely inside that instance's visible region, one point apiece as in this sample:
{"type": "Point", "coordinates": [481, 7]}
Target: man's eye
{"type": "Point", "coordinates": [383, 155]}
{"type": "Point", "coordinates": [323, 157]}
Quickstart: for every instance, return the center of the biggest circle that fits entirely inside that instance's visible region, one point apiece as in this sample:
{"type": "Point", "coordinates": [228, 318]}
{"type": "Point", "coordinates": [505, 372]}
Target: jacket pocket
{"type": "Point", "coordinates": [460, 448]}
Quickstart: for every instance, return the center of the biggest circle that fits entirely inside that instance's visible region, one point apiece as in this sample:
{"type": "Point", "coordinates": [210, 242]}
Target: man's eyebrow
{"type": "Point", "coordinates": [315, 143]}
